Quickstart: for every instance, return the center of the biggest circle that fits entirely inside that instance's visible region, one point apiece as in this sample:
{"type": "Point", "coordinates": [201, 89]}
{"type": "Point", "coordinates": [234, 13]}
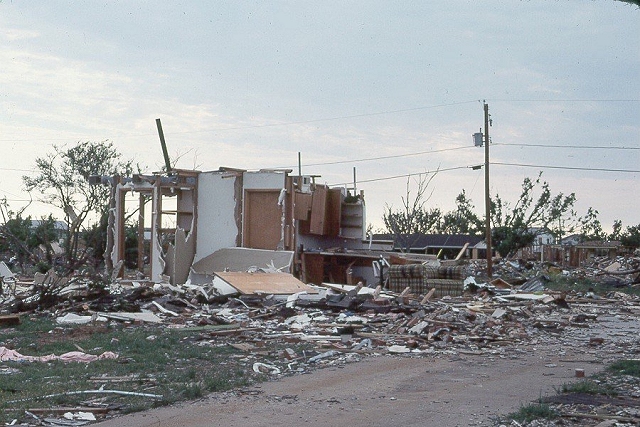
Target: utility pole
{"type": "Point", "coordinates": [487, 197]}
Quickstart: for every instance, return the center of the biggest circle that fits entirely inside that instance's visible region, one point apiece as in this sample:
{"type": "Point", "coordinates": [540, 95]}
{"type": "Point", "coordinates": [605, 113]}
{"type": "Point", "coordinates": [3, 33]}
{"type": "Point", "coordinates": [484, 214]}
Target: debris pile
{"type": "Point", "coordinates": [283, 326]}
{"type": "Point", "coordinates": [336, 320]}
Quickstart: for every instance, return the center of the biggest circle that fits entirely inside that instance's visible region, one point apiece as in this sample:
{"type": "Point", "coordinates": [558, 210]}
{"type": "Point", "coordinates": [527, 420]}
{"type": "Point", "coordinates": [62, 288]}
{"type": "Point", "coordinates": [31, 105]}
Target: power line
{"type": "Point", "coordinates": [345, 117]}
{"type": "Point", "coordinates": [418, 153]}
{"type": "Point", "coordinates": [387, 178]}
{"type": "Point", "coordinates": [19, 200]}
{"type": "Point", "coordinates": [378, 158]}
{"type": "Point", "coordinates": [326, 119]}
{"type": "Point", "coordinates": [17, 170]}
{"type": "Point", "coordinates": [565, 167]}
{"type": "Point", "coordinates": [564, 100]}
{"type": "Point", "coordinates": [459, 148]}
{"type": "Point", "coordinates": [298, 122]}
{"type": "Point", "coordinates": [595, 147]}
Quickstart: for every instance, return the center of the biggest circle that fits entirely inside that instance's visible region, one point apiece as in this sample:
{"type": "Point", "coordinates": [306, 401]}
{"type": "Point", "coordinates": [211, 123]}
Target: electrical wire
{"type": "Point", "coordinates": [345, 117]}
{"type": "Point", "coordinates": [327, 119]}
{"type": "Point", "coordinates": [395, 156]}
{"type": "Point", "coordinates": [594, 147]}
{"type": "Point", "coordinates": [565, 167]}
{"type": "Point", "coordinates": [17, 170]}
{"type": "Point", "coordinates": [563, 100]}
{"type": "Point", "coordinates": [298, 122]}
{"type": "Point", "coordinates": [387, 178]}
{"type": "Point", "coordinates": [456, 148]}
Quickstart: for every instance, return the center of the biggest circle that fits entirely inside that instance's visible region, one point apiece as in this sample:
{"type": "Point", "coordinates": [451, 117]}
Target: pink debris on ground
{"type": "Point", "coordinates": [72, 356]}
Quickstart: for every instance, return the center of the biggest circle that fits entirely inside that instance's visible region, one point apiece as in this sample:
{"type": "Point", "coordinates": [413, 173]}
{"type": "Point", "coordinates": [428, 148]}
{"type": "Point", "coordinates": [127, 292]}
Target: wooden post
{"type": "Point", "coordinates": [141, 233]}
{"type": "Point", "coordinates": [164, 146]}
{"type": "Point", "coordinates": [487, 197]}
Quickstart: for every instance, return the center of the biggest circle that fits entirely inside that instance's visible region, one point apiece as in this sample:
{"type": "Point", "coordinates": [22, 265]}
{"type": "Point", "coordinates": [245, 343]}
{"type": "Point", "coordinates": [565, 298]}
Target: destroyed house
{"type": "Point", "coordinates": [582, 253]}
{"type": "Point", "coordinates": [572, 251]}
{"type": "Point", "coordinates": [541, 237]}
{"type": "Point", "coordinates": [194, 214]}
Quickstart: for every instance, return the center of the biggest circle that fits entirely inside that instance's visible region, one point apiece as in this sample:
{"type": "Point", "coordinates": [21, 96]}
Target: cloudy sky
{"type": "Point", "coordinates": [390, 88]}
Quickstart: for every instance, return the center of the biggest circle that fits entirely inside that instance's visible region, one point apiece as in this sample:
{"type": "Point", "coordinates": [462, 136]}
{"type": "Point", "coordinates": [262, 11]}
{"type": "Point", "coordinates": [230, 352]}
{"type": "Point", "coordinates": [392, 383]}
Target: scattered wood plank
{"type": "Point", "coordinates": [10, 320]}
{"type": "Point", "coordinates": [428, 296]}
{"type": "Point", "coordinates": [62, 410]}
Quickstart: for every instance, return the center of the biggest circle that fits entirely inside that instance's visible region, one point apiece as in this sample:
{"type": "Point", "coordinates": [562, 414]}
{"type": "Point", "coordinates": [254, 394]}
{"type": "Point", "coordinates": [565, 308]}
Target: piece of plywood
{"type": "Point", "coordinates": [333, 212]}
{"type": "Point", "coordinates": [145, 316]}
{"type": "Point", "coordinates": [318, 211]}
{"type": "Point", "coordinates": [265, 283]}
{"type": "Point", "coordinates": [302, 206]}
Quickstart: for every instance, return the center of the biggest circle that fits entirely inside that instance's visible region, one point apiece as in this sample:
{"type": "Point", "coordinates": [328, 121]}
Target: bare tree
{"type": "Point", "coordinates": [413, 218]}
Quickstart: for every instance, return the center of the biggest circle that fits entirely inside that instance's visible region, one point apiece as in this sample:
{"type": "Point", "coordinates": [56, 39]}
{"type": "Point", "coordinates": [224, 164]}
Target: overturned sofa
{"type": "Point", "coordinates": [420, 278]}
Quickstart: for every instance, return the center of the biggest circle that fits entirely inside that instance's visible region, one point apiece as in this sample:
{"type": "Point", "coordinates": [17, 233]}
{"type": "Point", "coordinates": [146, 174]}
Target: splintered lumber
{"type": "Point", "coordinates": [428, 296]}
{"type": "Point", "coordinates": [464, 248]}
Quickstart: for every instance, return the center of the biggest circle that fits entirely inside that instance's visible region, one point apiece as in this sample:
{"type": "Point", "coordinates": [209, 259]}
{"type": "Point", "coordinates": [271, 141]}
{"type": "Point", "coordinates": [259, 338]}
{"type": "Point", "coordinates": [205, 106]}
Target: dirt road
{"type": "Point", "coordinates": [448, 388]}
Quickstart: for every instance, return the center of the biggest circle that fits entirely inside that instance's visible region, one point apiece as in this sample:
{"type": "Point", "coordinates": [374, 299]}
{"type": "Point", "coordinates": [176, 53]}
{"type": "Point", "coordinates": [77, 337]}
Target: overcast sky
{"type": "Point", "coordinates": [390, 88]}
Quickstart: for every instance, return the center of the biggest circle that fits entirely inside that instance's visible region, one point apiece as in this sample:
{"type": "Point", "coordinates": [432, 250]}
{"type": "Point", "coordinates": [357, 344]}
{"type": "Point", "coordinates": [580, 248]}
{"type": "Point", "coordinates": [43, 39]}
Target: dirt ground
{"type": "Point", "coordinates": [444, 389]}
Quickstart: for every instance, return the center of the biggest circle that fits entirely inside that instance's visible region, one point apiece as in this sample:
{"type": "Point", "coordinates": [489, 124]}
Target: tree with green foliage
{"type": "Point", "coordinates": [20, 237]}
{"type": "Point", "coordinates": [514, 227]}
{"type": "Point", "coordinates": [634, 2]}
{"type": "Point", "coordinates": [462, 220]}
{"type": "Point", "coordinates": [631, 237]}
{"type": "Point", "coordinates": [590, 226]}
{"type": "Point", "coordinates": [62, 180]}
{"type": "Point", "coordinates": [43, 235]}
{"type": "Point", "coordinates": [616, 230]}
{"type": "Point", "coordinates": [95, 237]}
{"type": "Point", "coordinates": [14, 234]}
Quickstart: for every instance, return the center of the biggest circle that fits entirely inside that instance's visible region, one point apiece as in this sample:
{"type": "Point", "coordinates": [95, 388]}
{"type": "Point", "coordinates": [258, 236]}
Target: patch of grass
{"type": "Point", "coordinates": [533, 411]}
{"type": "Point", "coordinates": [625, 367]}
{"type": "Point", "coordinates": [152, 359]}
{"type": "Point", "coordinates": [192, 391]}
{"type": "Point", "coordinates": [236, 377]}
{"type": "Point", "coordinates": [192, 374]}
{"type": "Point", "coordinates": [588, 387]}
{"type": "Point", "coordinates": [563, 283]}
{"type": "Point", "coordinates": [599, 384]}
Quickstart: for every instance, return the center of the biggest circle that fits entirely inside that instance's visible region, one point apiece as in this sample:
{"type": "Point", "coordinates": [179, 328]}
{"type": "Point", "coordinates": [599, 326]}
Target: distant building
{"type": "Point", "coordinates": [60, 227]}
{"type": "Point", "coordinates": [571, 240]}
